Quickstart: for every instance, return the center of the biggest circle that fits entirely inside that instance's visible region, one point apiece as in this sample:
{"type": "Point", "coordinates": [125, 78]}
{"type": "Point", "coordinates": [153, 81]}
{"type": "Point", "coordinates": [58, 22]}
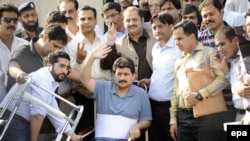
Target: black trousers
{"type": "Point", "coordinates": [207, 128]}
{"type": "Point", "coordinates": [159, 129]}
{"type": "Point", "coordinates": [87, 118]}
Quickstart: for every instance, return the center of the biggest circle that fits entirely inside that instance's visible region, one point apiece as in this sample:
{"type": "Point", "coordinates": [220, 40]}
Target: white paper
{"type": "Point", "coordinates": [113, 126]}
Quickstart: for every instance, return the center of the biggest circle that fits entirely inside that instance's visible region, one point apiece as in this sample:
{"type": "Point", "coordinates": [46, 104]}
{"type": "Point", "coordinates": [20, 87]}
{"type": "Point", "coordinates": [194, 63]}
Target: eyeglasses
{"type": "Point", "coordinates": [63, 66]}
{"type": "Point", "coordinates": [111, 16]}
{"type": "Point", "coordinates": [8, 20]}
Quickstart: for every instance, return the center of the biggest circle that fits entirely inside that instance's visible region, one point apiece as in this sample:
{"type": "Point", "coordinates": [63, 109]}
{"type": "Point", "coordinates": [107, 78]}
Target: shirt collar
{"type": "Point", "coordinates": [70, 34]}
{"type": "Point", "coordinates": [46, 75]}
{"type": "Point", "coordinates": [170, 43]}
{"type": "Point", "coordinates": [198, 47]}
{"type": "Point", "coordinates": [32, 45]}
{"type": "Point", "coordinates": [210, 32]}
{"type": "Point", "coordinates": [236, 57]}
{"type": "Point", "coordinates": [82, 37]}
{"type": "Point", "coordinates": [129, 93]}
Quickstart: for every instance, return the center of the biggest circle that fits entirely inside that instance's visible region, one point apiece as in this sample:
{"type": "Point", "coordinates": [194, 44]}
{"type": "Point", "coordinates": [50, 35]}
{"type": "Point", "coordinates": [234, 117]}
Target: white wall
{"type": "Point", "coordinates": [45, 6]}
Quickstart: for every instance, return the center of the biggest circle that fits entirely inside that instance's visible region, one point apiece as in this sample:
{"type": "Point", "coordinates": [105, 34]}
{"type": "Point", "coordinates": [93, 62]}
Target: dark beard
{"type": "Point", "coordinates": [55, 76]}
{"type": "Point", "coordinates": [30, 28]}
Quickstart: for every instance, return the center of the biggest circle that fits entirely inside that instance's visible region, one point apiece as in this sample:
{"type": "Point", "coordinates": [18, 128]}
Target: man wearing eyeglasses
{"type": "Point", "coordinates": [111, 13]}
{"type": "Point", "coordinates": [8, 41]}
{"type": "Point", "coordinates": [27, 121]}
{"type": "Point", "coordinates": [154, 7]}
{"type": "Point", "coordinates": [137, 44]}
{"type": "Point", "coordinates": [30, 57]}
{"type": "Point", "coordinates": [29, 20]}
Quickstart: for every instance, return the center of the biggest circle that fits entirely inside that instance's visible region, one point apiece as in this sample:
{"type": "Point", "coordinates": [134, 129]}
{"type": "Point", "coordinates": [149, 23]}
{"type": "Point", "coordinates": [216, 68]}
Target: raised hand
{"type": "Point", "coordinates": [81, 53]}
{"type": "Point", "coordinates": [111, 34]}
{"type": "Point", "coordinates": [203, 26]}
{"type": "Point", "coordinates": [101, 52]}
{"type": "Point", "coordinates": [222, 62]}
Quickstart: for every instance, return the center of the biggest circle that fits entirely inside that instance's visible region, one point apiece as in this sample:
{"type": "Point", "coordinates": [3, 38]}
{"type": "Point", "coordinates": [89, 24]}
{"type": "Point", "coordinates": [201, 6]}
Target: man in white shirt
{"type": "Point", "coordinates": [89, 39]}
{"type": "Point", "coordinates": [243, 85]}
{"type": "Point", "coordinates": [69, 8]}
{"type": "Point", "coordinates": [86, 21]}
{"type": "Point", "coordinates": [30, 115]}
{"type": "Point", "coordinates": [8, 41]}
{"type": "Point", "coordinates": [226, 42]}
{"type": "Point", "coordinates": [164, 53]}
{"type": "Point", "coordinates": [29, 58]}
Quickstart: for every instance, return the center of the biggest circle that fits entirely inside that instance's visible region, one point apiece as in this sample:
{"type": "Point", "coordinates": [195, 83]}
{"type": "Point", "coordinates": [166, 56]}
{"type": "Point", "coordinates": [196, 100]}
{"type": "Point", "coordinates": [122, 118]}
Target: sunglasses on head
{"type": "Point", "coordinates": [8, 20]}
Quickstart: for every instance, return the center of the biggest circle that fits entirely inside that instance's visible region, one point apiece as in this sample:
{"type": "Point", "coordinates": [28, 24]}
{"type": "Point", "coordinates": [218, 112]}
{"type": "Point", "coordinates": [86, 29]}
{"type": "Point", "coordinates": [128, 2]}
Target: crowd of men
{"type": "Point", "coordinates": [135, 70]}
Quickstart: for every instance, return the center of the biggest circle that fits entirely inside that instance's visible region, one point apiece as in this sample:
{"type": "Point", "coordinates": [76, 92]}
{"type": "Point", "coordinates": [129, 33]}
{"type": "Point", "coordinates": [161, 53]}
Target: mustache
{"type": "Point", "coordinates": [11, 27]}
{"type": "Point", "coordinates": [31, 22]}
{"type": "Point", "coordinates": [121, 81]}
{"type": "Point", "coordinates": [69, 18]}
{"type": "Point", "coordinates": [209, 21]}
{"type": "Point", "coordinates": [145, 4]}
{"type": "Point", "coordinates": [132, 26]}
{"type": "Point", "coordinates": [63, 74]}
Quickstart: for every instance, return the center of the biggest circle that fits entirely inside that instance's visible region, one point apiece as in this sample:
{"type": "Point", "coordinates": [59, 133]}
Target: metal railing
{"type": "Point", "coordinates": [70, 119]}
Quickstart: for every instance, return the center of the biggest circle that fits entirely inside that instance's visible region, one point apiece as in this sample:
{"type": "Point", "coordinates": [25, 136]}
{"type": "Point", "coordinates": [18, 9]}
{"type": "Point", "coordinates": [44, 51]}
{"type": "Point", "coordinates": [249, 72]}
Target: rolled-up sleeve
{"type": "Point", "coordinates": [174, 104]}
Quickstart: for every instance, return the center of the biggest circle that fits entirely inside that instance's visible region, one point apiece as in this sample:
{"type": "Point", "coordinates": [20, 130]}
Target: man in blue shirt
{"type": "Point", "coordinates": [123, 110]}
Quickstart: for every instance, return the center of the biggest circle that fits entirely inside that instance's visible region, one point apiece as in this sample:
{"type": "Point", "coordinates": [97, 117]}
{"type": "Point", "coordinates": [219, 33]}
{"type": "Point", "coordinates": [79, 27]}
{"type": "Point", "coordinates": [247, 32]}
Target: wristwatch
{"type": "Point", "coordinates": [199, 96]}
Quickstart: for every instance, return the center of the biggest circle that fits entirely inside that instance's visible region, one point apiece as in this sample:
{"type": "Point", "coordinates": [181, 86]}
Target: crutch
{"type": "Point", "coordinates": [58, 113]}
{"type": "Point", "coordinates": [31, 98]}
{"type": "Point", "coordinates": [6, 123]}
